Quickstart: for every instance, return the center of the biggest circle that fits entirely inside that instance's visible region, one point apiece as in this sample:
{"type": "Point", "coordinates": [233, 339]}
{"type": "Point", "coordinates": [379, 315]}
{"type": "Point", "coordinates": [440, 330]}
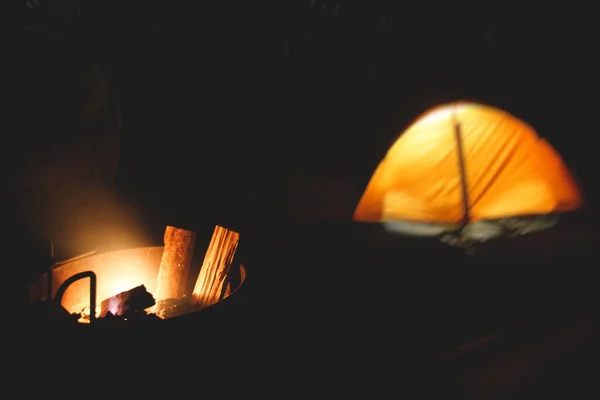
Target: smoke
{"type": "Point", "coordinates": [62, 182]}
{"type": "Point", "coordinates": [68, 197]}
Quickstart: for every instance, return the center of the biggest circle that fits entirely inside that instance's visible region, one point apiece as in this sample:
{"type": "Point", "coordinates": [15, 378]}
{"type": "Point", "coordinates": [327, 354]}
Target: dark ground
{"type": "Point", "coordinates": [220, 105]}
{"type": "Point", "coordinates": [334, 310]}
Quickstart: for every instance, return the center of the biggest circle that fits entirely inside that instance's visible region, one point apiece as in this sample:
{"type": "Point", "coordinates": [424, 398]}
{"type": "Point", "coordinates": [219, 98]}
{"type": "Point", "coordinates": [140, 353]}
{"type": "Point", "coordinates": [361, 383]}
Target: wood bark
{"type": "Point", "coordinates": [173, 273]}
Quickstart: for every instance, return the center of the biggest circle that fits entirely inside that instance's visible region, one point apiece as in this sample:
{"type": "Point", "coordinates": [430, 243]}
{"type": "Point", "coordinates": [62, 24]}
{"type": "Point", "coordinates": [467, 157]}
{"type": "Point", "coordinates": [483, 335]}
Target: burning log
{"type": "Point", "coordinates": [124, 303]}
{"type": "Point", "coordinates": [212, 281]}
{"type": "Point", "coordinates": [174, 269]}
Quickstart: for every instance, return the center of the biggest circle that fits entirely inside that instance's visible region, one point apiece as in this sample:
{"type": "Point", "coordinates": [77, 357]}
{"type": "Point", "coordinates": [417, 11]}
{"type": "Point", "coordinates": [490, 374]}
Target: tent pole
{"type": "Point", "coordinates": [463, 175]}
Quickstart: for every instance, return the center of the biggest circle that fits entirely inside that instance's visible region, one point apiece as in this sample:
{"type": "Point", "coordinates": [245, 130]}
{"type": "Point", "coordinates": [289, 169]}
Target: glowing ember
{"type": "Point", "coordinates": [113, 304]}
{"type": "Point", "coordinates": [84, 311]}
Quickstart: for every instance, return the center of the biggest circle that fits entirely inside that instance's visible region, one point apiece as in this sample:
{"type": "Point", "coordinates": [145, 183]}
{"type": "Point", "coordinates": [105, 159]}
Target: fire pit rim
{"type": "Point", "coordinates": [38, 288]}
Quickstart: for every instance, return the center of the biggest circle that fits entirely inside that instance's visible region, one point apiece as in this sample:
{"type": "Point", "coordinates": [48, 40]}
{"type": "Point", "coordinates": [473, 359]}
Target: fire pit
{"type": "Point", "coordinates": [145, 281]}
{"type": "Point", "coordinates": [145, 314]}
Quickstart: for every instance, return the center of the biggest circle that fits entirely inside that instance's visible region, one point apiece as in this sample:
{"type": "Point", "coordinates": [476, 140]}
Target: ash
{"type": "Point", "coordinates": [170, 308]}
{"type": "Point", "coordinates": [164, 309]}
{"type": "Point", "coordinates": [130, 317]}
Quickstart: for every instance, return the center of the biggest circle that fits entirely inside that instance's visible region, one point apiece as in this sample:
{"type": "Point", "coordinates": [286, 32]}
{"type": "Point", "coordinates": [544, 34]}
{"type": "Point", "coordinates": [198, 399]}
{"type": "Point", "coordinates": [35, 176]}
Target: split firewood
{"type": "Point", "coordinates": [171, 282]}
{"type": "Point", "coordinates": [130, 301]}
{"type": "Point", "coordinates": [212, 281]}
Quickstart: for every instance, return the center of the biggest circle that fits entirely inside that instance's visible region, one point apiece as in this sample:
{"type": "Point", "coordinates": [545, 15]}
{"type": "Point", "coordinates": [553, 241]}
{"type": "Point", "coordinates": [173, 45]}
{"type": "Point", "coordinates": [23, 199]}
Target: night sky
{"type": "Point", "coordinates": [277, 87]}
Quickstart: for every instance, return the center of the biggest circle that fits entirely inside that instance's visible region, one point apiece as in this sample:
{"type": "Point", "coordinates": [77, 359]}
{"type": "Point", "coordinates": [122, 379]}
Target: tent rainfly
{"type": "Point", "coordinates": [469, 168]}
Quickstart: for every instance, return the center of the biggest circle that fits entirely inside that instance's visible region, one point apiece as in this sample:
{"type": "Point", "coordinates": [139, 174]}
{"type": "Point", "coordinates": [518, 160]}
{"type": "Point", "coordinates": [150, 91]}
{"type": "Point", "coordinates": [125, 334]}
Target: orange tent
{"type": "Point", "coordinates": [467, 162]}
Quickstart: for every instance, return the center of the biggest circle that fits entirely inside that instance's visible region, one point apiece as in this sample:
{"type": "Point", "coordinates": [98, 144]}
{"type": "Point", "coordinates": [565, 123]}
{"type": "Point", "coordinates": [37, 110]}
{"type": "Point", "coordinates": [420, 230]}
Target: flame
{"type": "Point", "coordinates": [124, 279]}
{"type": "Point", "coordinates": [113, 305]}
{"type": "Point", "coordinates": [116, 272]}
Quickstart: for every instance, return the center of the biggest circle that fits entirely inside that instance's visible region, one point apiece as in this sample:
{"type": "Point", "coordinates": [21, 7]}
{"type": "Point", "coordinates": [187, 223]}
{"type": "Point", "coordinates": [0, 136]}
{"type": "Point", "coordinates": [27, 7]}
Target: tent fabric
{"type": "Point", "coordinates": [509, 170]}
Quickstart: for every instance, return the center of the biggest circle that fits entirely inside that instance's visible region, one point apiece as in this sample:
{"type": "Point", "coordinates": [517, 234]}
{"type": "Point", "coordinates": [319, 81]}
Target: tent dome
{"type": "Point", "coordinates": [509, 171]}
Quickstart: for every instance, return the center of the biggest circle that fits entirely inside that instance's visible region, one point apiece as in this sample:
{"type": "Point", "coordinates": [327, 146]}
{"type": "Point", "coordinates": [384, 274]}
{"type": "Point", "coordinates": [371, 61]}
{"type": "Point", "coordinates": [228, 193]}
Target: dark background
{"type": "Point", "coordinates": [232, 97]}
{"type": "Point", "coordinates": [221, 103]}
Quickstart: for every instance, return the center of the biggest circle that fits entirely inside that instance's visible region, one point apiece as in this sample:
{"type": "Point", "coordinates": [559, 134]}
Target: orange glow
{"type": "Point", "coordinates": [116, 272]}
{"type": "Point", "coordinates": [510, 170]}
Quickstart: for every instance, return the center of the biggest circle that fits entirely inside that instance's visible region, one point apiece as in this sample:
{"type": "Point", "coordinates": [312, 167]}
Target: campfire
{"type": "Point", "coordinates": [149, 281]}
